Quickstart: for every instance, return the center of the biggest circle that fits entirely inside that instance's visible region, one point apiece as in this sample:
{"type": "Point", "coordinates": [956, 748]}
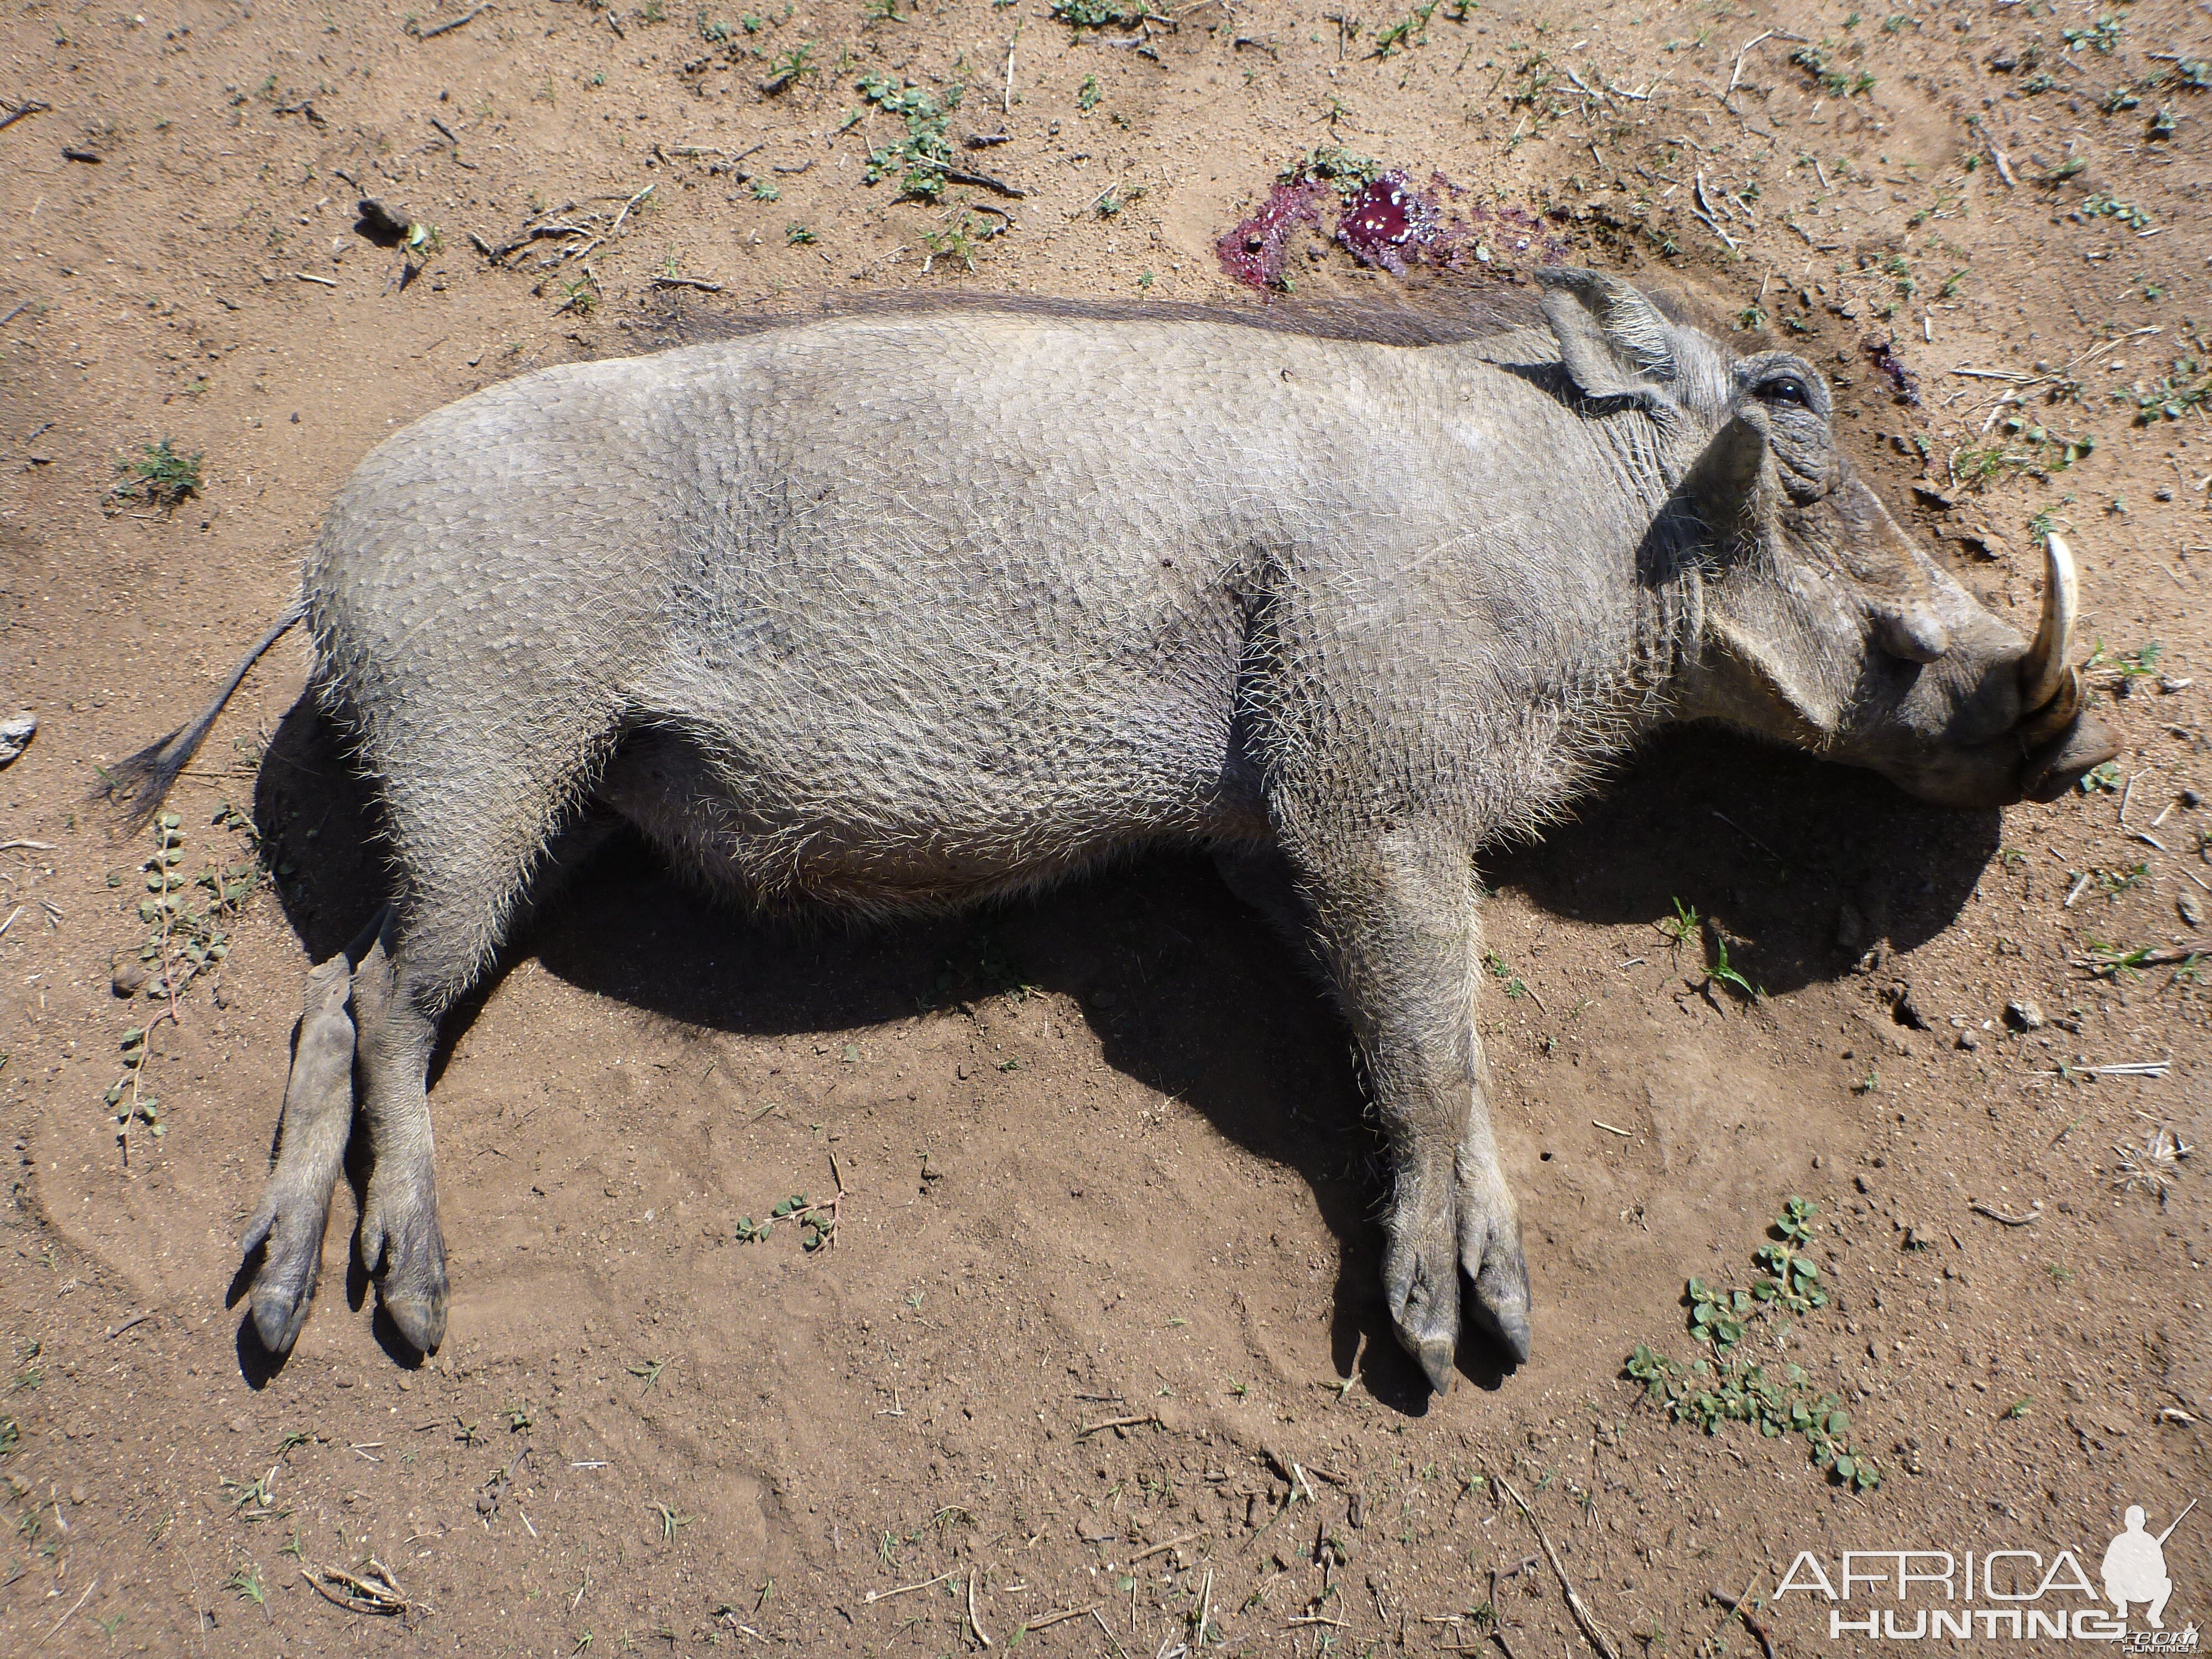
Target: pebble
{"type": "Point", "coordinates": [15, 734]}
{"type": "Point", "coordinates": [1969, 1042]}
{"type": "Point", "coordinates": [129, 976]}
{"type": "Point", "coordinates": [242, 1425]}
{"type": "Point", "coordinates": [77, 1494]}
{"type": "Point", "coordinates": [2023, 1015]}
{"type": "Point", "coordinates": [2191, 909]}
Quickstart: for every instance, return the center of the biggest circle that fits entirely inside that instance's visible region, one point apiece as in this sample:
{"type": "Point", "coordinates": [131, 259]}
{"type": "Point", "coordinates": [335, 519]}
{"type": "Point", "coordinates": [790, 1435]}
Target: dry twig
{"type": "Point", "coordinates": [1576, 1605]}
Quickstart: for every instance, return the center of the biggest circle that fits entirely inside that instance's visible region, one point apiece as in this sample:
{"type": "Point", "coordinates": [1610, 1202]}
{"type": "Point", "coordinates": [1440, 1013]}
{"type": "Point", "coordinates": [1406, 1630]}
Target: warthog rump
{"type": "Point", "coordinates": [910, 608]}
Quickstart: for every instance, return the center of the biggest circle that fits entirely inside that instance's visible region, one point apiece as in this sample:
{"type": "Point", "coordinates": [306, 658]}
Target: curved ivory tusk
{"type": "Point", "coordinates": [2043, 670]}
{"type": "Point", "coordinates": [2048, 721]}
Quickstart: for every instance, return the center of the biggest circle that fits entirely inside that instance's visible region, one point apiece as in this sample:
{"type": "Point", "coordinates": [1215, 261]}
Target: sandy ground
{"type": "Point", "coordinates": [1101, 1154]}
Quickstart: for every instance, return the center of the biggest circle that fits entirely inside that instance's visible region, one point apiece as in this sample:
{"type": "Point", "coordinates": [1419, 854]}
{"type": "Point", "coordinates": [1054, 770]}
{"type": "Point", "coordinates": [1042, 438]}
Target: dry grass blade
{"type": "Point", "coordinates": [1576, 1605]}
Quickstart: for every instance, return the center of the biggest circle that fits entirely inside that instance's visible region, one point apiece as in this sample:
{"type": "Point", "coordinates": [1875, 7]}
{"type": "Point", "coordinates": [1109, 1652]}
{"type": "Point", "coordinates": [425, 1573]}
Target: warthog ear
{"type": "Point", "coordinates": [1722, 478]}
{"type": "Point", "coordinates": [1613, 340]}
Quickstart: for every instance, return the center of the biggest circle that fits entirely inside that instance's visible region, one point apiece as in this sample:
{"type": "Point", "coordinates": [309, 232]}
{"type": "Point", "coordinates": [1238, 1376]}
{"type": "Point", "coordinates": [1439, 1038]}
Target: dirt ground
{"type": "Point", "coordinates": [1101, 1155]}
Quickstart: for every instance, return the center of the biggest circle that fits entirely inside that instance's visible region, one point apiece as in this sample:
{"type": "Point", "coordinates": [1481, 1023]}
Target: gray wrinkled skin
{"type": "Point", "coordinates": [902, 610]}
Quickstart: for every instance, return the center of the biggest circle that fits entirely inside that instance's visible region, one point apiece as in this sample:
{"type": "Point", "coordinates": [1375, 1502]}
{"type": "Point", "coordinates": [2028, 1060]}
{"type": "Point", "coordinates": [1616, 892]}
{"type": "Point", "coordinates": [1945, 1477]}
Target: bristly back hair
{"type": "Point", "coordinates": [1439, 313]}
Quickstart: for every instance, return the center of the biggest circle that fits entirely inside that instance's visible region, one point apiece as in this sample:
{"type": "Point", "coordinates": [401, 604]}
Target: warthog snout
{"type": "Point", "coordinates": [1988, 722]}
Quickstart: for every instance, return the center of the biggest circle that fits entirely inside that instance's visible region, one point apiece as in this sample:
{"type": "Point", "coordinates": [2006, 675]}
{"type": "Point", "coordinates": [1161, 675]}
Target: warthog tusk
{"type": "Point", "coordinates": [2048, 721]}
{"type": "Point", "coordinates": [2045, 670]}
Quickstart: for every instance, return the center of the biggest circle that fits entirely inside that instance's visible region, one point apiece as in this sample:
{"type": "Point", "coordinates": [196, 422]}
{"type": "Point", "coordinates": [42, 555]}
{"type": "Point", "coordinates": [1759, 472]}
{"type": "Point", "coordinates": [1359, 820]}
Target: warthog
{"type": "Point", "coordinates": [903, 609]}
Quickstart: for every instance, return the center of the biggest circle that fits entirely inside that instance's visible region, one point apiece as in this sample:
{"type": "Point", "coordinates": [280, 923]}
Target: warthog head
{"type": "Point", "coordinates": [1819, 622]}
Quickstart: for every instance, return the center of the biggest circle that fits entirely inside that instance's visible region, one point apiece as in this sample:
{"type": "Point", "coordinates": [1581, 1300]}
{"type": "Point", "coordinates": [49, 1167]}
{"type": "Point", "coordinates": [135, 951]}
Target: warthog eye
{"type": "Point", "coordinates": [1784, 389]}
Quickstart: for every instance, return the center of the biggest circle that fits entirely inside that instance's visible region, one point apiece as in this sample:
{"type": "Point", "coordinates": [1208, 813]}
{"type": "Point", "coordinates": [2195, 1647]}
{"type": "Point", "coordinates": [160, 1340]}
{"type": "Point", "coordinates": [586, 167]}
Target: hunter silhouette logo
{"type": "Point", "coordinates": [2134, 1568]}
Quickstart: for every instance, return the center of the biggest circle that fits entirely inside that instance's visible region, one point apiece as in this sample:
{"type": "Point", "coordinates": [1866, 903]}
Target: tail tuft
{"type": "Point", "coordinates": [139, 785]}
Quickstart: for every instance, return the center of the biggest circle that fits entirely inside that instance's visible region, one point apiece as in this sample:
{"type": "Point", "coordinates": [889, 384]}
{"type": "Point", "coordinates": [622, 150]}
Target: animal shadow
{"type": "Point", "coordinates": [1189, 993]}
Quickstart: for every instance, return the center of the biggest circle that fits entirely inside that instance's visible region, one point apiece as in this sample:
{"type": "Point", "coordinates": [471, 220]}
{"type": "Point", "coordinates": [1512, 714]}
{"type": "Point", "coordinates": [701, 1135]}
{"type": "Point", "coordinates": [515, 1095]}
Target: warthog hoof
{"type": "Point", "coordinates": [289, 1228]}
{"type": "Point", "coordinates": [1443, 1225]}
{"type": "Point", "coordinates": [402, 1245]}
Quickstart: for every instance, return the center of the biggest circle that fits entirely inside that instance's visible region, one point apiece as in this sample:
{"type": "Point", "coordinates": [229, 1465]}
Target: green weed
{"type": "Point", "coordinates": [158, 477]}
{"type": "Point", "coordinates": [921, 158]}
{"type": "Point", "coordinates": [1720, 1386]}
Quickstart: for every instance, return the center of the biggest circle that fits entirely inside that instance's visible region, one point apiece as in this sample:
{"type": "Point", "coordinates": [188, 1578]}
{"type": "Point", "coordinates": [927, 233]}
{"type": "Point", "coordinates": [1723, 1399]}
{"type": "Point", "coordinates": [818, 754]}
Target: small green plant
{"type": "Point", "coordinates": [1103, 13]}
{"type": "Point", "coordinates": [1335, 165]}
{"type": "Point", "coordinates": [1087, 95]}
{"type": "Point", "coordinates": [1721, 1386]}
{"type": "Point", "coordinates": [245, 1584]}
{"type": "Point", "coordinates": [2024, 446]}
{"type": "Point", "coordinates": [959, 240]}
{"type": "Point", "coordinates": [816, 1223]}
{"type": "Point", "coordinates": [1751, 317]}
{"type": "Point", "coordinates": [764, 190]}
{"type": "Point", "coordinates": [1819, 63]}
{"type": "Point", "coordinates": [1113, 202]}
{"type": "Point", "coordinates": [796, 235]}
{"type": "Point", "coordinates": [2102, 38]}
{"type": "Point", "coordinates": [713, 30]}
{"type": "Point", "coordinates": [1683, 926]}
{"type": "Point", "coordinates": [789, 66]}
{"type": "Point", "coordinates": [2100, 206]}
{"type": "Point", "coordinates": [919, 159]}
{"type": "Point", "coordinates": [158, 477]}
{"type": "Point", "coordinates": [2139, 663]}
{"type": "Point", "coordinates": [649, 1371]}
{"type": "Point", "coordinates": [2188, 386]}
{"type": "Point", "coordinates": [1722, 971]}
{"type": "Point", "coordinates": [1410, 31]}
{"type": "Point", "coordinates": [189, 917]}
{"type": "Point", "coordinates": [880, 11]}
{"type": "Point", "coordinates": [1502, 971]}
{"type": "Point", "coordinates": [581, 296]}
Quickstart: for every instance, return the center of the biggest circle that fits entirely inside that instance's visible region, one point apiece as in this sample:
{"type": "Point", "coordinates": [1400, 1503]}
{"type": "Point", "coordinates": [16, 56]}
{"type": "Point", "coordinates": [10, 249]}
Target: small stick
{"type": "Point", "coordinates": [616, 228]}
{"type": "Point", "coordinates": [71, 1613]}
{"type": "Point", "coordinates": [1741, 1608]}
{"type": "Point", "coordinates": [1159, 1549]}
{"type": "Point", "coordinates": [1576, 1605]}
{"type": "Point", "coordinates": [1109, 1631]}
{"type": "Point", "coordinates": [437, 29]}
{"type": "Point", "coordinates": [18, 112]}
{"type": "Point", "coordinates": [1610, 1130]}
{"type": "Point", "coordinates": [1737, 74]}
{"type": "Point", "coordinates": [1052, 1619]}
{"type": "Point", "coordinates": [4, 321]}
{"type": "Point", "coordinates": [1317, 1619]}
{"type": "Point", "coordinates": [39, 846]}
{"type": "Point", "coordinates": [118, 1330]}
{"type": "Point", "coordinates": [304, 277]}
{"type": "Point", "coordinates": [974, 1623]}
{"type": "Point", "coordinates": [1999, 1215]}
{"type": "Point", "coordinates": [1088, 1428]}
{"type": "Point", "coordinates": [704, 284]}
{"type": "Point", "coordinates": [1206, 1596]}
{"type": "Point", "coordinates": [985, 181]}
{"type": "Point", "coordinates": [1006, 96]}
{"type": "Point", "coordinates": [874, 1596]}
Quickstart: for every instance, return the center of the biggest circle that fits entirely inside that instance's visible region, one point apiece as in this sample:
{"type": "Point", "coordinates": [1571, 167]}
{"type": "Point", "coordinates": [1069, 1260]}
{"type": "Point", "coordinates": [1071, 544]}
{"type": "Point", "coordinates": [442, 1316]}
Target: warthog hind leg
{"type": "Point", "coordinates": [401, 1242]}
{"type": "Point", "coordinates": [317, 1117]}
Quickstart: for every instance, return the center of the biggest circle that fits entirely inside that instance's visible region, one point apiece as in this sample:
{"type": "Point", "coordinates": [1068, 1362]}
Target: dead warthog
{"type": "Point", "coordinates": [909, 609]}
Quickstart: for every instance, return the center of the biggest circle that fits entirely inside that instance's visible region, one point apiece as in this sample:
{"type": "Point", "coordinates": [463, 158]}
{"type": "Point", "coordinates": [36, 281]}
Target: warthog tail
{"type": "Point", "coordinates": [139, 785]}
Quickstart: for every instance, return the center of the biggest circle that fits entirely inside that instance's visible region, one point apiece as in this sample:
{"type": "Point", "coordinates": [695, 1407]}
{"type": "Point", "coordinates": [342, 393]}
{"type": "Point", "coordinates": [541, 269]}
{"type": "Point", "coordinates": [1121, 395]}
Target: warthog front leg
{"type": "Point", "coordinates": [317, 1117]}
{"type": "Point", "coordinates": [1398, 920]}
